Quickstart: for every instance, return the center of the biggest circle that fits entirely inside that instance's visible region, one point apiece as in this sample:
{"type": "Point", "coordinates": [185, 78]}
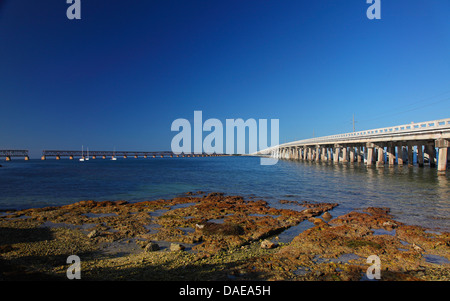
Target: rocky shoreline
{"type": "Point", "coordinates": [215, 237]}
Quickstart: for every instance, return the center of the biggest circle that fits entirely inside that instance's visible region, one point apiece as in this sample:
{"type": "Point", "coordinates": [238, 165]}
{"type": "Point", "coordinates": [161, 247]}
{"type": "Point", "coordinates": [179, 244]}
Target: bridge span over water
{"type": "Point", "coordinates": [71, 154]}
{"type": "Point", "coordinates": [429, 140]}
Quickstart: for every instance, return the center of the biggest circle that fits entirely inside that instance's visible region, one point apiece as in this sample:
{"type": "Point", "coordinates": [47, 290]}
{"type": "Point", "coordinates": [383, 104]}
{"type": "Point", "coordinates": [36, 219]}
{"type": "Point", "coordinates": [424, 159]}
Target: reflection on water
{"type": "Point", "coordinates": [415, 195]}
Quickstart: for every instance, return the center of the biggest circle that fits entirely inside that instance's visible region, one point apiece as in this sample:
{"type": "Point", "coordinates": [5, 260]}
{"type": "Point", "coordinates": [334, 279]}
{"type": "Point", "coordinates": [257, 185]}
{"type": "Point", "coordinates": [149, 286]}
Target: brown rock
{"type": "Point", "coordinates": [267, 244]}
{"type": "Point", "coordinates": [176, 247]}
{"type": "Point", "coordinates": [327, 216]}
{"type": "Point", "coordinates": [150, 247]}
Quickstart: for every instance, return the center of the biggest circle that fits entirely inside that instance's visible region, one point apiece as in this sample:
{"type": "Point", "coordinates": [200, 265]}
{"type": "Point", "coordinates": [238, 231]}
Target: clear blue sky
{"type": "Point", "coordinates": [119, 76]}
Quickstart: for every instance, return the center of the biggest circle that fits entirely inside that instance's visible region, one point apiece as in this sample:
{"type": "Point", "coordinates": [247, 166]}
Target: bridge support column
{"type": "Point", "coordinates": [324, 154]}
{"type": "Point", "coordinates": [410, 154]}
{"type": "Point", "coordinates": [344, 155]}
{"type": "Point", "coordinates": [405, 154]}
{"type": "Point", "coordinates": [431, 151]}
{"type": "Point", "coordinates": [442, 159]}
{"type": "Point", "coordinates": [336, 154]}
{"type": "Point", "coordinates": [370, 156]}
{"type": "Point", "coordinates": [380, 160]}
{"type": "Point", "coordinates": [317, 153]}
{"type": "Point", "coordinates": [420, 155]}
{"type": "Point", "coordinates": [391, 154]}
{"type": "Point", "coordinates": [442, 145]}
{"type": "Point", "coordinates": [328, 154]}
{"type": "Point", "coordinates": [400, 155]}
{"type": "Point", "coordinates": [359, 154]}
{"type": "Point", "coordinates": [352, 154]}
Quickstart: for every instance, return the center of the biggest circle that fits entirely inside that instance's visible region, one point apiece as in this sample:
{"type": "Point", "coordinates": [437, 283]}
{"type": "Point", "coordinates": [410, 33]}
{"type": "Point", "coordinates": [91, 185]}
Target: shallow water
{"type": "Point", "coordinates": [415, 195]}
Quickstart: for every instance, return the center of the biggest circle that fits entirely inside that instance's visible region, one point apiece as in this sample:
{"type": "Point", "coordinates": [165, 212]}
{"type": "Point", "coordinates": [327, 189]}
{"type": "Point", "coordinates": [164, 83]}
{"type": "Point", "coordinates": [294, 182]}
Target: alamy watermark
{"type": "Point", "coordinates": [374, 271]}
{"type": "Point", "coordinates": [374, 10]}
{"type": "Point", "coordinates": [74, 10]}
{"type": "Point", "coordinates": [74, 270]}
{"type": "Point", "coordinates": [213, 143]}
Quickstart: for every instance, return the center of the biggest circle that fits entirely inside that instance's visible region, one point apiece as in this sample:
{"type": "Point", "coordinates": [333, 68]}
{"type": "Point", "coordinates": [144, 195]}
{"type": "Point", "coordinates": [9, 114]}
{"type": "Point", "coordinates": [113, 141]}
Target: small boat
{"type": "Point", "coordinates": [82, 157]}
{"type": "Point", "coordinates": [87, 158]}
{"type": "Point", "coordinates": [114, 155]}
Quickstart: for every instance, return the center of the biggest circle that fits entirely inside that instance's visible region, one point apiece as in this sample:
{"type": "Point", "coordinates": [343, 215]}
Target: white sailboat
{"type": "Point", "coordinates": [87, 158]}
{"type": "Point", "coordinates": [114, 155]}
{"type": "Point", "coordinates": [82, 157]}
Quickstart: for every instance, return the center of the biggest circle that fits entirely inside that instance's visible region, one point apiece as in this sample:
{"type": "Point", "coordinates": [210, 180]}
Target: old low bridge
{"type": "Point", "coordinates": [429, 140]}
{"type": "Point", "coordinates": [9, 154]}
{"type": "Point", "coordinates": [58, 154]}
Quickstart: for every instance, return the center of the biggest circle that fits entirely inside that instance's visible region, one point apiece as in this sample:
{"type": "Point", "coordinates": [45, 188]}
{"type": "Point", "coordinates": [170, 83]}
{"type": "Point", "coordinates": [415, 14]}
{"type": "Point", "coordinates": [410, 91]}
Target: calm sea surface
{"type": "Point", "coordinates": [415, 195]}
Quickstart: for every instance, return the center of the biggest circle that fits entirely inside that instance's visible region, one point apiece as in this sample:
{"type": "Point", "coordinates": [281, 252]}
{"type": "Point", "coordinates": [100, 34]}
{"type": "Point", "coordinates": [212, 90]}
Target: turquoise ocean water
{"type": "Point", "coordinates": [415, 195]}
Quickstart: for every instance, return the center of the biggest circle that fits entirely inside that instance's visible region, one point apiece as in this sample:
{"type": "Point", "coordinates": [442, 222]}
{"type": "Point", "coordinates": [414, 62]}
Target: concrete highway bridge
{"type": "Point", "coordinates": [430, 141]}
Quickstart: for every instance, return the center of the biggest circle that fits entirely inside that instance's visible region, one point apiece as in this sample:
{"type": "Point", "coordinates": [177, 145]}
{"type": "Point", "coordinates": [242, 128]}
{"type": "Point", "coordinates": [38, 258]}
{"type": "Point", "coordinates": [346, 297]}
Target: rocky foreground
{"type": "Point", "coordinates": [215, 237]}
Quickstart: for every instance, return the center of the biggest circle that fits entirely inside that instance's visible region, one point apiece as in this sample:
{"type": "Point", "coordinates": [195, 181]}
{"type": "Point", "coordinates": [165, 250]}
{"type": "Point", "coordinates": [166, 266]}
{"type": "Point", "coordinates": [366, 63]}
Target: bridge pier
{"type": "Point", "coordinates": [400, 155]}
{"type": "Point", "coordinates": [391, 154]}
{"type": "Point", "coordinates": [380, 157]}
{"type": "Point", "coordinates": [442, 145]}
{"type": "Point", "coordinates": [410, 154]}
{"type": "Point", "coordinates": [352, 154]}
{"type": "Point", "coordinates": [420, 155]}
{"type": "Point", "coordinates": [370, 148]}
{"type": "Point", "coordinates": [344, 155]}
{"type": "Point", "coordinates": [336, 154]}
{"type": "Point", "coordinates": [431, 151]}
